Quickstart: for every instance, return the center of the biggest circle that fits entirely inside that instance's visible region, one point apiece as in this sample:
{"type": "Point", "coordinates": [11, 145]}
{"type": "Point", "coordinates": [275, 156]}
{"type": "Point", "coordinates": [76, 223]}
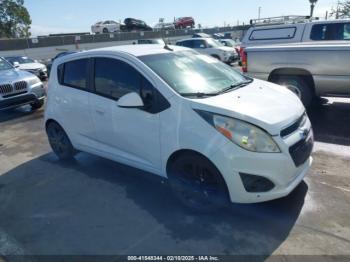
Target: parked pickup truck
{"type": "Point", "coordinates": [308, 69]}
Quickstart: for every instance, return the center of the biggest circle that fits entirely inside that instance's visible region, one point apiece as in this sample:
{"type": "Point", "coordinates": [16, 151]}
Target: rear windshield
{"type": "Point", "coordinates": [20, 60]}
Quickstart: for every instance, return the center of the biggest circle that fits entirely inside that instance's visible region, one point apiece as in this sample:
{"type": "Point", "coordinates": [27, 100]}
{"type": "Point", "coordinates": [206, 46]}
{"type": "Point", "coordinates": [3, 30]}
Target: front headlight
{"type": "Point", "coordinates": [243, 134]}
{"type": "Point", "coordinates": [33, 81]}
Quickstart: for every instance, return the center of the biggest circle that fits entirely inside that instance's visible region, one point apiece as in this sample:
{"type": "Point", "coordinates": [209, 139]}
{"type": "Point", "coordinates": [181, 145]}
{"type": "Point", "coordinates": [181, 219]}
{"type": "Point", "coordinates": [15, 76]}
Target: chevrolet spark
{"type": "Point", "coordinates": [217, 135]}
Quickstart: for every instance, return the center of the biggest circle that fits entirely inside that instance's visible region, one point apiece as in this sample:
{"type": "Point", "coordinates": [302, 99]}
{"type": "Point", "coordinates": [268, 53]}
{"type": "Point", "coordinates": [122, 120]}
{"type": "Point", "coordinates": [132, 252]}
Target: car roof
{"type": "Point", "coordinates": [17, 56]}
{"type": "Point", "coordinates": [273, 26]}
{"type": "Point", "coordinates": [195, 38]}
{"type": "Point", "coordinates": [138, 50]}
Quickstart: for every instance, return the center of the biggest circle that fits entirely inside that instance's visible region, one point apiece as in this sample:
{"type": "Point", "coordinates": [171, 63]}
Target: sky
{"type": "Point", "coordinates": [63, 16]}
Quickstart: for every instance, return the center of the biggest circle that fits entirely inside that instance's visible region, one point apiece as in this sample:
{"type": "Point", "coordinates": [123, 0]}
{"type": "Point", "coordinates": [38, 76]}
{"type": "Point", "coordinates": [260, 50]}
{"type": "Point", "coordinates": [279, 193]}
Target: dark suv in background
{"type": "Point", "coordinates": [132, 24]}
{"type": "Point", "coordinates": [184, 22]}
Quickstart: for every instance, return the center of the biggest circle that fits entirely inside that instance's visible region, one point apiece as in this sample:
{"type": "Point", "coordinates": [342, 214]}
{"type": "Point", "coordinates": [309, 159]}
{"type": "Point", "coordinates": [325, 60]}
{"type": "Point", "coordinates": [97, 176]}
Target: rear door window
{"type": "Point", "coordinates": [75, 74]}
{"type": "Point", "coordinates": [329, 32]}
{"type": "Point", "coordinates": [199, 44]}
{"type": "Point", "coordinates": [187, 44]}
{"type": "Point", "coordinates": [271, 34]}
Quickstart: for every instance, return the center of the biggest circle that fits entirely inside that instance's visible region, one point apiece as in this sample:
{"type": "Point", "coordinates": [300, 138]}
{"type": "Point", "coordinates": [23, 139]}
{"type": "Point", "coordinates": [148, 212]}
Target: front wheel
{"type": "Point", "coordinates": [60, 142]}
{"type": "Point", "coordinates": [197, 183]}
{"type": "Point", "coordinates": [298, 86]}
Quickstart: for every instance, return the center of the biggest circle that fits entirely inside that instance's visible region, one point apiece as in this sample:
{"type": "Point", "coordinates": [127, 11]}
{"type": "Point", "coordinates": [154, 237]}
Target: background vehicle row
{"type": "Point", "coordinates": [132, 24]}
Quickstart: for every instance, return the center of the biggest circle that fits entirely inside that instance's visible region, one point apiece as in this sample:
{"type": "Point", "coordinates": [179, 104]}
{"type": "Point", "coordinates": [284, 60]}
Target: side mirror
{"type": "Point", "coordinates": [15, 64]}
{"type": "Point", "coordinates": [130, 100]}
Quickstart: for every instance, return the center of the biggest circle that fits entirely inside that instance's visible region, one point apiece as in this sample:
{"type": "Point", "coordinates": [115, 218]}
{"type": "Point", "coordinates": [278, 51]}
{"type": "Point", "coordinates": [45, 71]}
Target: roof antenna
{"type": "Point", "coordinates": [166, 46]}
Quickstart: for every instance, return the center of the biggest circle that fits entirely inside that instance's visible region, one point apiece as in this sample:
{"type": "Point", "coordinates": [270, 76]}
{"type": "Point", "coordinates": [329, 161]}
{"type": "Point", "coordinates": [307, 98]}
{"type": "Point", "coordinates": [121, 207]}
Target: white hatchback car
{"type": "Point", "coordinates": [216, 134]}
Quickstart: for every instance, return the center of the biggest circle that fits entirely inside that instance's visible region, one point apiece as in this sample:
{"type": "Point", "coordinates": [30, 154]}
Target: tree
{"type": "Point", "coordinates": [342, 10]}
{"type": "Point", "coordinates": [14, 19]}
{"type": "Point", "coordinates": [312, 3]}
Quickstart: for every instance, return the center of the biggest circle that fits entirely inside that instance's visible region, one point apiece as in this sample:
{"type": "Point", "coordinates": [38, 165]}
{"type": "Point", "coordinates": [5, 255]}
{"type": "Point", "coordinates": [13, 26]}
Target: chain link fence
{"type": "Point", "coordinates": [49, 41]}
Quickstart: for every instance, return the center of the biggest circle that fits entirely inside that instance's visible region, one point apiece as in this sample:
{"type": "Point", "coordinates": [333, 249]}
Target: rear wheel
{"type": "Point", "coordinates": [298, 86]}
{"type": "Point", "coordinates": [105, 31]}
{"type": "Point", "coordinates": [60, 142]}
{"type": "Point", "coordinates": [197, 183]}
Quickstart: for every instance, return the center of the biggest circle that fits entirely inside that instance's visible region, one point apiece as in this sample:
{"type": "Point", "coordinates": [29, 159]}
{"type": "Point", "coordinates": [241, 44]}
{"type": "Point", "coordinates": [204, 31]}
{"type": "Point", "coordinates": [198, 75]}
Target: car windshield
{"type": "Point", "coordinates": [4, 65]}
{"type": "Point", "coordinates": [21, 60]}
{"type": "Point", "coordinates": [213, 43]}
{"type": "Point", "coordinates": [189, 72]}
{"type": "Point", "coordinates": [230, 43]}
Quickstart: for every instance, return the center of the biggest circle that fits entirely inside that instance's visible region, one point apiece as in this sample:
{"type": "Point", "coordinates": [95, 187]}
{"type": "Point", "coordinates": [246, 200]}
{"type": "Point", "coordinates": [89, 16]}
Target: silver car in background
{"type": "Point", "coordinates": [29, 65]}
{"type": "Point", "coordinates": [18, 87]}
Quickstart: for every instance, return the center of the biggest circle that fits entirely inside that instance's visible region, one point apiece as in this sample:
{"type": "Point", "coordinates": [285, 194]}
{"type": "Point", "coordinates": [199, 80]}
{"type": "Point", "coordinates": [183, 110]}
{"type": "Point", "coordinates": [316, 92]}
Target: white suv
{"type": "Point", "coordinates": [211, 47]}
{"type": "Point", "coordinates": [216, 134]}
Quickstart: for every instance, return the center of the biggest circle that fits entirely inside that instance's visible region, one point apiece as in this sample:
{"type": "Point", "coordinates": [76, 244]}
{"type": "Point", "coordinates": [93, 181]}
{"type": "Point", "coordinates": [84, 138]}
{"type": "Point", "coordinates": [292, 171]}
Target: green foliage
{"type": "Point", "coordinates": [342, 10]}
{"type": "Point", "coordinates": [14, 19]}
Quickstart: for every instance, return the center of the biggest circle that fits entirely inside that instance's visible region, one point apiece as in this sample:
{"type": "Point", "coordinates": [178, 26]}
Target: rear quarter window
{"type": "Point", "coordinates": [273, 33]}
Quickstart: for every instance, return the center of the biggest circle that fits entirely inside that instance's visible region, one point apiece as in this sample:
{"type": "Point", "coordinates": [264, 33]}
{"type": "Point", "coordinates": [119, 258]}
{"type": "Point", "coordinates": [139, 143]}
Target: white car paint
{"type": "Point", "coordinates": [109, 25]}
{"type": "Point", "coordinates": [224, 53]}
{"type": "Point", "coordinates": [32, 66]}
{"type": "Point", "coordinates": [97, 125]}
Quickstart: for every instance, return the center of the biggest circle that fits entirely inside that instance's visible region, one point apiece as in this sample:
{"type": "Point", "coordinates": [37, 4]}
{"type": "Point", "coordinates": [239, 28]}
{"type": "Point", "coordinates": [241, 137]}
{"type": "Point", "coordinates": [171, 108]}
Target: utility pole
{"type": "Point", "coordinates": [312, 3]}
{"type": "Point", "coordinates": [259, 12]}
{"type": "Point", "coordinates": [337, 14]}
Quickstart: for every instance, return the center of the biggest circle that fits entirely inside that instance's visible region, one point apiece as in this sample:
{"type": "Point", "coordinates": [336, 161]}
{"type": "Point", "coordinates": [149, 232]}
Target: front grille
{"type": "Point", "coordinates": [301, 151]}
{"type": "Point", "coordinates": [6, 89]}
{"type": "Point", "coordinates": [15, 94]}
{"type": "Point", "coordinates": [22, 85]}
{"type": "Point", "coordinates": [294, 127]}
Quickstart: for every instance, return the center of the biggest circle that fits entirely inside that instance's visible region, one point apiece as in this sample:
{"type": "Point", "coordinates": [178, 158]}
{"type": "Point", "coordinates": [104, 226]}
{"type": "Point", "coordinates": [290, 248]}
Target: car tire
{"type": "Point", "coordinates": [105, 31]}
{"type": "Point", "coordinates": [59, 142]}
{"type": "Point", "coordinates": [37, 105]}
{"type": "Point", "coordinates": [299, 86]}
{"type": "Point", "coordinates": [197, 183]}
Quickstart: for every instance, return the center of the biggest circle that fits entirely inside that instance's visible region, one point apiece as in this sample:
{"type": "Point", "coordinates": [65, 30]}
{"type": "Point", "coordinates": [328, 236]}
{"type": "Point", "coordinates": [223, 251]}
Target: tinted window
{"type": "Point", "coordinates": [275, 33]}
{"type": "Point", "coordinates": [114, 78]}
{"type": "Point", "coordinates": [334, 31]}
{"type": "Point", "coordinates": [75, 73]}
{"type": "Point", "coordinates": [198, 44]}
{"type": "Point", "coordinates": [187, 44]}
{"type": "Point", "coordinates": [191, 72]}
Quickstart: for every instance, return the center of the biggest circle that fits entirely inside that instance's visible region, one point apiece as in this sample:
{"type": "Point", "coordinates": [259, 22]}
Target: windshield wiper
{"type": "Point", "coordinates": [236, 86]}
{"type": "Point", "coordinates": [226, 90]}
{"type": "Point", "coordinates": [198, 94]}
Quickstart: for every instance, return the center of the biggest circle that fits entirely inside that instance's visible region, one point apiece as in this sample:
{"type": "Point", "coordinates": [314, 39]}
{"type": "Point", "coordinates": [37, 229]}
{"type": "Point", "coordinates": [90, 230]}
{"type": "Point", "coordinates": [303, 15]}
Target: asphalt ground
{"type": "Point", "coordinates": [96, 206]}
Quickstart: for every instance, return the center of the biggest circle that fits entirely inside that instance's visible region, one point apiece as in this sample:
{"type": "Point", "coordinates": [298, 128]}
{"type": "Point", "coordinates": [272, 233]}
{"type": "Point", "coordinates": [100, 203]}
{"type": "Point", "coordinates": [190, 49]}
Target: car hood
{"type": "Point", "coordinates": [261, 103]}
{"type": "Point", "coordinates": [227, 49]}
{"type": "Point", "coordinates": [31, 66]}
{"type": "Point", "coordinates": [12, 75]}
